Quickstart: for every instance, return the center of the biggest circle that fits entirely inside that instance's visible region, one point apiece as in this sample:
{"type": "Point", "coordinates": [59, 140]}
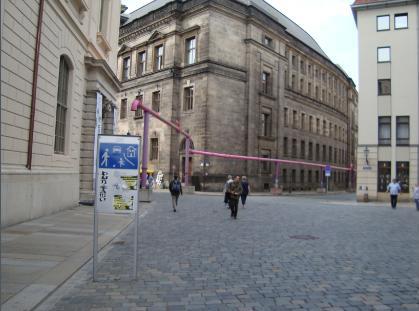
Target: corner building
{"type": "Point", "coordinates": [388, 97]}
{"type": "Point", "coordinates": [243, 79]}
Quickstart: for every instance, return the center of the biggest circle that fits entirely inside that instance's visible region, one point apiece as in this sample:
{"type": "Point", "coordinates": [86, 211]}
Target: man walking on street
{"type": "Point", "coordinates": [394, 189]}
{"type": "Point", "coordinates": [226, 194]}
{"type": "Point", "coordinates": [234, 190]}
{"type": "Point", "coordinates": [175, 188]}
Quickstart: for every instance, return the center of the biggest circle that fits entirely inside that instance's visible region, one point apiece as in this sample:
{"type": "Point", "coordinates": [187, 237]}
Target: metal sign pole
{"type": "Point", "coordinates": [136, 243]}
{"type": "Point", "coordinates": [327, 184]}
{"type": "Point", "coordinates": [95, 241]}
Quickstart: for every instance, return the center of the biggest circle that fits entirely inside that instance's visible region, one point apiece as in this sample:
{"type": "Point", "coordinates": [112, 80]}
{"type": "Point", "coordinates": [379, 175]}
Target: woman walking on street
{"type": "Point", "coordinates": [416, 196]}
{"type": "Point", "coordinates": [246, 190]}
{"type": "Point", "coordinates": [226, 194]}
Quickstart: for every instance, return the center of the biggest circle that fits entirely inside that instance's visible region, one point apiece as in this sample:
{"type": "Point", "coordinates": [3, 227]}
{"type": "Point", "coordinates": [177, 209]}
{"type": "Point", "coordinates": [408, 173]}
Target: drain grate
{"type": "Point", "coordinates": [304, 237]}
{"type": "Point", "coordinates": [119, 242]}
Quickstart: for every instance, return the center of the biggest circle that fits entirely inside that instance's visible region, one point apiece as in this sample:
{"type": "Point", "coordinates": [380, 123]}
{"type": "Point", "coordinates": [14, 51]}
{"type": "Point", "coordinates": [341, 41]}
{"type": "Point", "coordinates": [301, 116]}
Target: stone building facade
{"type": "Point", "coordinates": [243, 79]}
{"type": "Point", "coordinates": [389, 94]}
{"type": "Point", "coordinates": [47, 164]}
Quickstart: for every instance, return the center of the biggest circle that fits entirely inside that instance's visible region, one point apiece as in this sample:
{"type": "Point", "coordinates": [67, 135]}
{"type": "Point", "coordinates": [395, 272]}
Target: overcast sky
{"type": "Point", "coordinates": [329, 22]}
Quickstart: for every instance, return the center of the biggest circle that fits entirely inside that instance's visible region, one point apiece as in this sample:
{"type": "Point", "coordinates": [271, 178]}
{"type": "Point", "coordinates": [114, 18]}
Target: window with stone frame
{"type": "Point", "coordinates": [324, 154]}
{"type": "Point", "coordinates": [266, 122]}
{"type": "Point", "coordinates": [335, 136]}
{"type": "Point", "coordinates": [317, 176]}
{"type": "Point", "coordinates": [266, 83]}
{"type": "Point", "coordinates": [302, 176]}
{"type": "Point", "coordinates": [284, 176]}
{"type": "Point", "coordinates": [310, 124]}
{"type": "Point", "coordinates": [310, 176]}
{"type": "Point", "coordinates": [402, 131]}
{"type": "Point", "coordinates": [335, 159]}
{"type": "Point", "coordinates": [310, 150]}
{"type": "Point", "coordinates": [158, 57]}
{"type": "Point", "coordinates": [309, 89]}
{"type": "Point", "coordinates": [294, 119]}
{"type": "Point", "coordinates": [330, 154]}
{"type": "Point", "coordinates": [330, 129]}
{"type": "Point", "coordinates": [318, 125]}
{"type": "Point", "coordinates": [317, 152]}
{"type": "Point", "coordinates": [266, 165]}
{"type": "Point", "coordinates": [123, 111]}
{"type": "Point", "coordinates": [267, 41]}
{"type": "Point", "coordinates": [317, 94]}
{"type": "Point", "coordinates": [294, 62]}
{"type": "Point", "coordinates": [154, 149]}
{"type": "Point", "coordinates": [155, 101]}
{"type": "Point", "coordinates": [293, 83]}
{"type": "Point", "coordinates": [190, 50]}
{"type": "Point", "coordinates": [301, 86]}
{"type": "Point", "coordinates": [294, 148]}
{"type": "Point", "coordinates": [126, 66]}
{"type": "Point", "coordinates": [293, 176]}
{"type": "Point", "coordinates": [141, 63]}
{"type": "Point", "coordinates": [139, 112]}
{"type": "Point", "coordinates": [286, 116]}
{"type": "Point", "coordinates": [384, 175]}
{"type": "Point", "coordinates": [61, 110]}
{"type": "Point", "coordinates": [303, 121]}
{"type": "Point", "coordinates": [286, 79]}
{"type": "Point", "coordinates": [384, 131]}
{"type": "Point", "coordinates": [302, 149]}
{"type": "Point", "coordinates": [324, 127]}
{"type": "Point", "coordinates": [402, 175]}
{"type": "Point", "coordinates": [188, 97]}
{"type": "Point", "coordinates": [285, 147]}
{"type": "Point", "coordinates": [302, 67]}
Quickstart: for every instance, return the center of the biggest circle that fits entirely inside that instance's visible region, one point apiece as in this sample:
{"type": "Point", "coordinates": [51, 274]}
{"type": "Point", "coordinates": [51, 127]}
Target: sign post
{"type": "Point", "coordinates": [117, 183]}
{"type": "Point", "coordinates": [327, 172]}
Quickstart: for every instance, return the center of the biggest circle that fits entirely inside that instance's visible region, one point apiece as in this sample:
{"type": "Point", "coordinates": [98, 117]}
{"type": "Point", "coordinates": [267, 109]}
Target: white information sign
{"type": "Point", "coordinates": [117, 174]}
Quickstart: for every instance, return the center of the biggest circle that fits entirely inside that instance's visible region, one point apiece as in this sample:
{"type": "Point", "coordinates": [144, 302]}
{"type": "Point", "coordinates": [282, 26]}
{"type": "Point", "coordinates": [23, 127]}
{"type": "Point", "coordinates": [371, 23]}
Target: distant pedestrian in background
{"type": "Point", "coordinates": [394, 189]}
{"type": "Point", "coordinates": [235, 190]}
{"type": "Point", "coordinates": [416, 196]}
{"type": "Point", "coordinates": [226, 194]}
{"type": "Point", "coordinates": [175, 188]}
{"type": "Point", "coordinates": [245, 190]}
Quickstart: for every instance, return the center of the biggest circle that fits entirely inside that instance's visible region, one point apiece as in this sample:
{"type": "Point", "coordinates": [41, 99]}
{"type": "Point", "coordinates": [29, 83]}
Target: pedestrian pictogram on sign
{"type": "Point", "coordinates": [118, 156]}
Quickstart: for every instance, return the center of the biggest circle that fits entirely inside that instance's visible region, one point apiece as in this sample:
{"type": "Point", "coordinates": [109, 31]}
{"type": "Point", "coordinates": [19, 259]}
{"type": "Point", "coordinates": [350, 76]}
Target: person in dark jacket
{"type": "Point", "coordinates": [246, 190]}
{"type": "Point", "coordinates": [234, 190]}
{"type": "Point", "coordinates": [175, 188]}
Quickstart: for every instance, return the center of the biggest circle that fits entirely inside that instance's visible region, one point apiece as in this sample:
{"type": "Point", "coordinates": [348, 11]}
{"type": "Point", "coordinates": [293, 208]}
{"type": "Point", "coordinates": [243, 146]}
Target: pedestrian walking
{"type": "Point", "coordinates": [175, 188]}
{"type": "Point", "coordinates": [416, 196]}
{"type": "Point", "coordinates": [226, 193]}
{"type": "Point", "coordinates": [235, 190]}
{"type": "Point", "coordinates": [394, 189]}
{"type": "Point", "coordinates": [245, 190]}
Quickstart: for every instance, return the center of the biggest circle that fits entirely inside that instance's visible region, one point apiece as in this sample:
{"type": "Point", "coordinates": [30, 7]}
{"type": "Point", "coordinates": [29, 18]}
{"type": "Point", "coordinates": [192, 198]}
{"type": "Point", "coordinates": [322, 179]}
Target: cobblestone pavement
{"type": "Point", "coordinates": [282, 253]}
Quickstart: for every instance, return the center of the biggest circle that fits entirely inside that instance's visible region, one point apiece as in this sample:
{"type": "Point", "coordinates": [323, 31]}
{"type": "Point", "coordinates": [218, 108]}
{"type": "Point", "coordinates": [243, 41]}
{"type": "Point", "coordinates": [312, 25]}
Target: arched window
{"type": "Point", "coordinates": [62, 97]}
{"type": "Point", "coordinates": [183, 144]}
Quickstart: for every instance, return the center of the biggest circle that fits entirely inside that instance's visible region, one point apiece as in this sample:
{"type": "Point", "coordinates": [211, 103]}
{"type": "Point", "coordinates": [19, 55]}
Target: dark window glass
{"type": "Point", "coordinates": [126, 65]}
{"type": "Point", "coordinates": [266, 166]}
{"type": "Point", "coordinates": [266, 123]}
{"type": "Point", "coordinates": [402, 131]}
{"type": "Point", "coordinates": [154, 152]}
{"type": "Point", "coordinates": [155, 101]}
{"type": "Point", "coordinates": [384, 87]}
{"type": "Point", "coordinates": [384, 175]}
{"type": "Point", "coordinates": [294, 148]}
{"type": "Point", "coordinates": [310, 151]}
{"type": "Point", "coordinates": [188, 99]}
{"type": "Point", "coordinates": [384, 130]}
{"type": "Point", "coordinates": [302, 149]}
{"type": "Point", "coordinates": [285, 116]}
{"type": "Point", "coordinates": [402, 175]}
{"type": "Point", "coordinates": [141, 63]}
{"type": "Point", "coordinates": [267, 41]}
{"type": "Point", "coordinates": [158, 57]}
{"type": "Point", "coordinates": [317, 152]}
{"type": "Point", "coordinates": [123, 112]}
{"type": "Point", "coordinates": [139, 112]}
{"type": "Point", "coordinates": [61, 110]}
{"type": "Point", "coordinates": [266, 83]}
{"type": "Point", "coordinates": [302, 176]}
{"type": "Point", "coordinates": [284, 176]}
{"type": "Point", "coordinates": [285, 146]}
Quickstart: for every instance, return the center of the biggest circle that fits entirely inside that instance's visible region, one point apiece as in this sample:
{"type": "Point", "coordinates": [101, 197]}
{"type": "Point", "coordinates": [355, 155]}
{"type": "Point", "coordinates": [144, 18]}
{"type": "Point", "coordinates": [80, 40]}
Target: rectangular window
{"type": "Point", "coordinates": [384, 54]}
{"type": "Point", "coordinates": [158, 57]}
{"type": "Point", "coordinates": [335, 158]}
{"type": "Point", "coordinates": [294, 119]}
{"type": "Point", "coordinates": [285, 147]}
{"type": "Point", "coordinates": [317, 152]}
{"type": "Point", "coordinates": [330, 129]}
{"type": "Point", "coordinates": [141, 63]}
{"type": "Point", "coordinates": [188, 99]}
{"type": "Point", "coordinates": [400, 21]}
{"type": "Point", "coordinates": [294, 148]}
{"type": "Point", "coordinates": [384, 175]}
{"type": "Point", "coordinates": [190, 51]}
{"type": "Point", "coordinates": [310, 176]}
{"type": "Point", "coordinates": [155, 101]}
{"type": "Point", "coordinates": [266, 83]}
{"type": "Point", "coordinates": [293, 82]}
{"type": "Point", "coordinates": [318, 125]}
{"type": "Point", "coordinates": [384, 87]}
{"type": "Point", "coordinates": [310, 123]}
{"type": "Point", "coordinates": [267, 41]}
{"type": "Point", "coordinates": [324, 127]}
{"type": "Point", "coordinates": [294, 62]}
{"type": "Point", "coordinates": [301, 85]}
{"type": "Point", "coordinates": [284, 176]}
{"type": "Point", "coordinates": [384, 130]}
{"type": "Point", "coordinates": [303, 121]}
{"type": "Point", "coordinates": [402, 131]}
{"type": "Point", "coordinates": [383, 22]}
{"type": "Point", "coordinates": [302, 177]}
{"type": "Point", "coordinates": [266, 165]}
{"type": "Point", "coordinates": [293, 176]}
{"type": "Point", "coordinates": [302, 149]}
{"type": "Point", "coordinates": [310, 151]}
{"type": "Point", "coordinates": [266, 123]}
{"type": "Point", "coordinates": [402, 175]}
{"type": "Point", "coordinates": [154, 152]}
{"type": "Point", "coordinates": [317, 93]}
{"type": "Point", "coordinates": [309, 89]}
{"type": "Point", "coordinates": [126, 65]}
{"type": "Point", "coordinates": [286, 117]}
{"type": "Point", "coordinates": [61, 111]}
{"type": "Point", "coordinates": [317, 176]}
{"type": "Point", "coordinates": [324, 154]}
{"type": "Point", "coordinates": [123, 112]}
{"type": "Point", "coordinates": [139, 111]}
{"type": "Point", "coordinates": [330, 154]}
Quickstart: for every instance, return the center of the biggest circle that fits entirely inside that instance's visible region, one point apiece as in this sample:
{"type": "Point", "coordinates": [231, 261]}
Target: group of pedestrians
{"type": "Point", "coordinates": [394, 189]}
{"type": "Point", "coordinates": [234, 190]}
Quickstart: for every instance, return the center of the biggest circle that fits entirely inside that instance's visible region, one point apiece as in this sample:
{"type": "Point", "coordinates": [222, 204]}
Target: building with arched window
{"type": "Point", "coordinates": [243, 79]}
{"type": "Point", "coordinates": [58, 68]}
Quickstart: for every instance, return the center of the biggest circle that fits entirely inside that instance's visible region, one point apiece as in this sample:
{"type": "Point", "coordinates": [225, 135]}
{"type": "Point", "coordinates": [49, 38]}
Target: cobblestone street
{"type": "Point", "coordinates": [282, 253]}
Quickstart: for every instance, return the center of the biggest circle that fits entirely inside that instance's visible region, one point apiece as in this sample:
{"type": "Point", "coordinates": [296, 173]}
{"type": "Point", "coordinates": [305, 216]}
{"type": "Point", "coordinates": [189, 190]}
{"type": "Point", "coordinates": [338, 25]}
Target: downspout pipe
{"type": "Point", "coordinates": [35, 84]}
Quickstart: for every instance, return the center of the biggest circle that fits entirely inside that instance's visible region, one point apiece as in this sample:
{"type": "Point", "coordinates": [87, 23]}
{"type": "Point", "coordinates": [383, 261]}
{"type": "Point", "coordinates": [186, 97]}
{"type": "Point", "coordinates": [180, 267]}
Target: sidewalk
{"type": "Point", "coordinates": [39, 255]}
